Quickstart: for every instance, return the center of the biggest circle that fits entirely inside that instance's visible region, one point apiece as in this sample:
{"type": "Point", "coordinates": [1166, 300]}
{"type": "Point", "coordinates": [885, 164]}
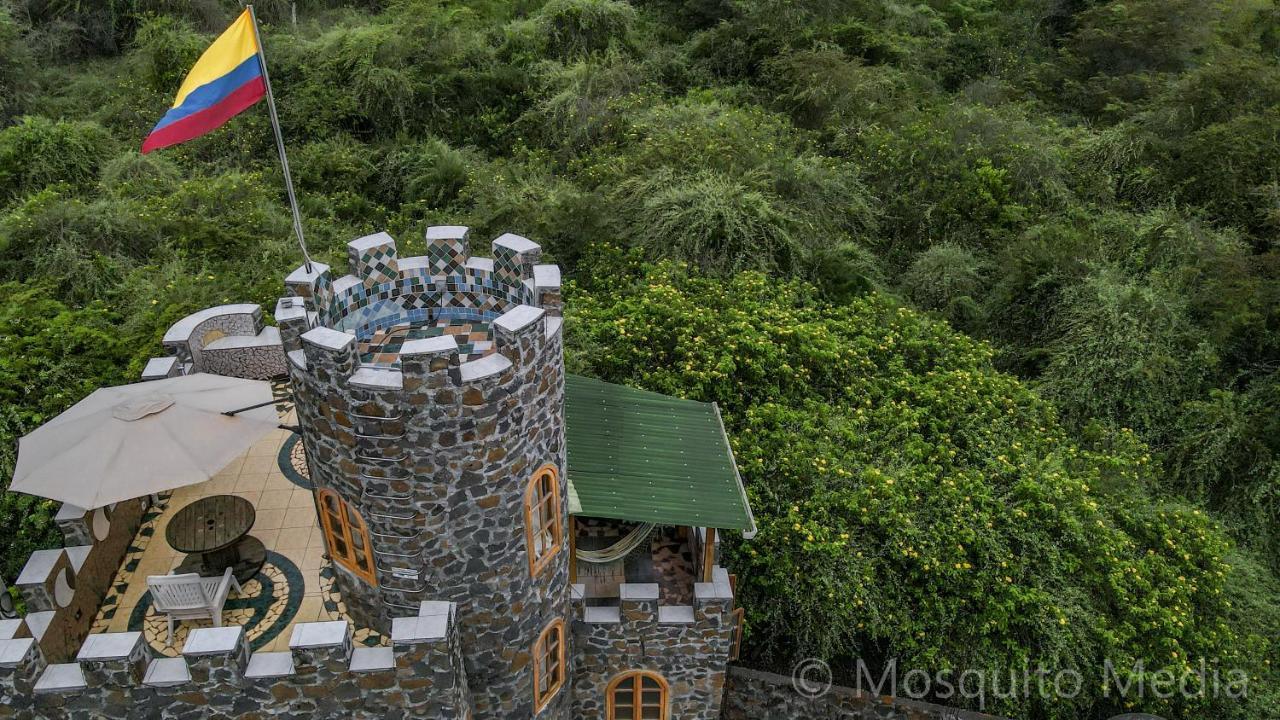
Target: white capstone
{"type": "Point", "coordinates": [302, 277]}
{"type": "Point", "coordinates": [269, 665]}
{"type": "Point", "coordinates": [515, 242]}
{"type": "Point", "coordinates": [519, 317]}
{"type": "Point", "coordinates": [15, 651]}
{"type": "Point", "coordinates": [486, 366]}
{"type": "Point", "coordinates": [371, 241]}
{"type": "Point", "coordinates": [369, 659]}
{"type": "Point", "coordinates": [546, 276]}
{"type": "Point", "coordinates": [638, 591]}
{"type": "Point", "coordinates": [60, 678]}
{"type": "Point", "coordinates": [167, 671]}
{"type": "Point", "coordinates": [9, 628]}
{"type": "Point", "coordinates": [78, 554]}
{"type": "Point", "coordinates": [109, 646]}
{"type": "Point", "coordinates": [430, 346]}
{"type": "Point", "coordinates": [378, 378]}
{"type": "Point", "coordinates": [39, 566]}
{"type": "Point", "coordinates": [418, 629]}
{"type": "Point", "coordinates": [446, 232]}
{"type": "Point", "coordinates": [675, 614]}
{"type": "Point", "coordinates": [602, 614]}
{"type": "Point", "coordinates": [158, 368]}
{"type": "Point", "coordinates": [38, 622]}
{"type": "Point", "coordinates": [480, 264]}
{"type": "Point", "coordinates": [319, 634]}
{"type": "Point", "coordinates": [212, 641]}
{"type": "Point", "coordinates": [328, 338]}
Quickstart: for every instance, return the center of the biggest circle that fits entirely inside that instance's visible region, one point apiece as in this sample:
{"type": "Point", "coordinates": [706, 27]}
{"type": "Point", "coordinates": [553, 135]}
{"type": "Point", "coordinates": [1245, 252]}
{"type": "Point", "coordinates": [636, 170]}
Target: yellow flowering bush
{"type": "Point", "coordinates": [914, 503]}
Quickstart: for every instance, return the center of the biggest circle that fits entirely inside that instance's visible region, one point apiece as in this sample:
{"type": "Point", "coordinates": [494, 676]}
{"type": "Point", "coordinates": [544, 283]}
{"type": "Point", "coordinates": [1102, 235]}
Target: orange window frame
{"type": "Point", "coordinates": [542, 518]}
{"type": "Point", "coordinates": [548, 664]}
{"type": "Point", "coordinates": [633, 681]}
{"type": "Point", "coordinates": [345, 532]}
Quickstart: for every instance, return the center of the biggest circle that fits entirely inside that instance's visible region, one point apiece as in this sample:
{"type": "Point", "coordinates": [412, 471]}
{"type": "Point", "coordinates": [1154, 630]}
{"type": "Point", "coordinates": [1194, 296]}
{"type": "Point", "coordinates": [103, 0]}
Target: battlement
{"type": "Point", "coordinates": [685, 644]}
{"type": "Point", "coordinates": [383, 290]}
{"type": "Point", "coordinates": [323, 675]}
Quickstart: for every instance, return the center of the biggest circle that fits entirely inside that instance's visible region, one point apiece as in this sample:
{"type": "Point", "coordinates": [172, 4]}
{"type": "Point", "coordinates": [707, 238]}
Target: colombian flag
{"type": "Point", "coordinates": [226, 80]}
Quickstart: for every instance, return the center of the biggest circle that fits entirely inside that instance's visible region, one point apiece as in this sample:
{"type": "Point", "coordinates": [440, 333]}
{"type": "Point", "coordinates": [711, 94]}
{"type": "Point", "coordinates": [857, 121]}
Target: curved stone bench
{"type": "Point", "coordinates": [224, 340]}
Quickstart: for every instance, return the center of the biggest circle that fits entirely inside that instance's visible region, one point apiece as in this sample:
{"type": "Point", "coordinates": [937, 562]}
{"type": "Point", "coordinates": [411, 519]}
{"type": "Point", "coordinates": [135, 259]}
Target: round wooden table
{"type": "Point", "coordinates": [215, 532]}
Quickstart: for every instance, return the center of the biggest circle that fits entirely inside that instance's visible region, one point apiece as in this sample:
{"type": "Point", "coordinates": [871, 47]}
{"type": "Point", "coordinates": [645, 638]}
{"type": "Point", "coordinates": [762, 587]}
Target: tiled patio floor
{"type": "Point", "coordinates": [294, 586]}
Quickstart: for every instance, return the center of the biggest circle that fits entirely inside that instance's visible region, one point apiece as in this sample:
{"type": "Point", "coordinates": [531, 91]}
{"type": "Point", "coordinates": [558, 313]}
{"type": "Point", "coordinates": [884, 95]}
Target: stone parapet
{"type": "Point", "coordinates": [322, 675]}
{"type": "Point", "coordinates": [435, 452]}
{"type": "Point", "coordinates": [689, 645]}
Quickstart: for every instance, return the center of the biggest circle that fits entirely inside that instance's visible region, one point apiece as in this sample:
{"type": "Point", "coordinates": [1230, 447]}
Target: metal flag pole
{"type": "Point", "coordinates": [275, 125]}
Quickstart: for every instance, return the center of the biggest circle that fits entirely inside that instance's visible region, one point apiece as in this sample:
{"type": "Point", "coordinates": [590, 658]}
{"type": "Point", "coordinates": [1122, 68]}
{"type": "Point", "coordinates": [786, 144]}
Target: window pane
{"type": "Point", "coordinates": [651, 713]}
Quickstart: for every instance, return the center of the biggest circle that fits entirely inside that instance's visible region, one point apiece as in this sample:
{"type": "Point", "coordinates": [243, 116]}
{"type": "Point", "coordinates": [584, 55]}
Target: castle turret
{"type": "Point", "coordinates": [429, 392]}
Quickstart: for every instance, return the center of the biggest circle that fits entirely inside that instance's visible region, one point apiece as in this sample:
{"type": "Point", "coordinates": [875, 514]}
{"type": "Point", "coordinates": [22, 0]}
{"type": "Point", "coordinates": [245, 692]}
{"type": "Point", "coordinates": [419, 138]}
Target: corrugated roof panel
{"type": "Point", "coordinates": [646, 457]}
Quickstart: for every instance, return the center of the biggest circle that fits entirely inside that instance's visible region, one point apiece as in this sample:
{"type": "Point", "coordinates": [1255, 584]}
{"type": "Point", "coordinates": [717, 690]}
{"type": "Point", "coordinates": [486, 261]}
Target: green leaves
{"type": "Point", "coordinates": [913, 502]}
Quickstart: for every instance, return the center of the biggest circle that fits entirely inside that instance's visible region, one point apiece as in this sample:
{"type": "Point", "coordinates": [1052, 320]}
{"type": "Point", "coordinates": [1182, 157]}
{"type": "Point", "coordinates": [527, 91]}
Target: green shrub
{"type": "Point", "coordinates": [914, 503]}
{"type": "Point", "coordinates": [167, 48]}
{"type": "Point", "coordinates": [576, 28]}
{"type": "Point", "coordinates": [38, 152]}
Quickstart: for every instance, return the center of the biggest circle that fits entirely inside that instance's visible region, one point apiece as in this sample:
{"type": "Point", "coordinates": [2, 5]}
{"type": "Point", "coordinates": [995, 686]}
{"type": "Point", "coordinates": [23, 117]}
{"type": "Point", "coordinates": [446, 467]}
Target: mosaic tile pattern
{"type": "Point", "coordinates": [336, 609]}
{"type": "Point", "coordinates": [289, 590]}
{"type": "Point", "coordinates": [267, 605]}
{"type": "Point", "coordinates": [475, 340]}
{"type": "Point", "coordinates": [374, 263]}
{"type": "Point", "coordinates": [293, 461]}
{"type": "Point", "coordinates": [446, 256]}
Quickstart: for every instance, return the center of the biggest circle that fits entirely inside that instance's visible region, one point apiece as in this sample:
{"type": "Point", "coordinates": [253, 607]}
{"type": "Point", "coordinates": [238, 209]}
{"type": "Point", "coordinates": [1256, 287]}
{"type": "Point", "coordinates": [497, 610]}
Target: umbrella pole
{"type": "Point", "coordinates": [233, 413]}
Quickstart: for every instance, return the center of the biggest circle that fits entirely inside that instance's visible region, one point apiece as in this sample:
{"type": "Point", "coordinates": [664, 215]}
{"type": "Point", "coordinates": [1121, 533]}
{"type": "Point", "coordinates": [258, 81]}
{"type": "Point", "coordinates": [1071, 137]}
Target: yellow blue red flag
{"type": "Point", "coordinates": [225, 81]}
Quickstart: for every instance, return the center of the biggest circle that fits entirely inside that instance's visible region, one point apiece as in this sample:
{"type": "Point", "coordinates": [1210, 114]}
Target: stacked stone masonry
{"type": "Point", "coordinates": [435, 454]}
{"type": "Point", "coordinates": [225, 340]}
{"type": "Point", "coordinates": [323, 675]}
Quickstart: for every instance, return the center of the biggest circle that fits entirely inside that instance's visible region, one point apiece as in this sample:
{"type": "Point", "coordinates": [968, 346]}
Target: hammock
{"type": "Point", "coordinates": [620, 549]}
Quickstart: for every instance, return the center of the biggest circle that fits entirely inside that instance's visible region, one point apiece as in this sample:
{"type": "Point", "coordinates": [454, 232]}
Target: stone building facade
{"type": "Point", "coordinates": [429, 395]}
{"type": "Point", "coordinates": [434, 453]}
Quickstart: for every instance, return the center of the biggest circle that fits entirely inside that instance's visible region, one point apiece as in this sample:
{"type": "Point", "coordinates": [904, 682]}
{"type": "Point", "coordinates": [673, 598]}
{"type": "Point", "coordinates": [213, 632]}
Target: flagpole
{"type": "Point", "coordinates": [284, 159]}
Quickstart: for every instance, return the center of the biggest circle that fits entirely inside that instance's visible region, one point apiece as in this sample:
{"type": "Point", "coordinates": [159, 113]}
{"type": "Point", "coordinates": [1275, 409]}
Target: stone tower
{"type": "Point", "coordinates": [429, 395]}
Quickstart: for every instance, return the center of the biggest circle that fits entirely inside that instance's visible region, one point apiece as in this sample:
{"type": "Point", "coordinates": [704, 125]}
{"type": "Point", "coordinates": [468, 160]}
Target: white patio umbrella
{"type": "Point", "coordinates": [133, 440]}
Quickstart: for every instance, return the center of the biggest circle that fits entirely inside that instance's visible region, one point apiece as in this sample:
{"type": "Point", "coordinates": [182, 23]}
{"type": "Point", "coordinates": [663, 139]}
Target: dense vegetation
{"type": "Point", "coordinates": [1090, 189]}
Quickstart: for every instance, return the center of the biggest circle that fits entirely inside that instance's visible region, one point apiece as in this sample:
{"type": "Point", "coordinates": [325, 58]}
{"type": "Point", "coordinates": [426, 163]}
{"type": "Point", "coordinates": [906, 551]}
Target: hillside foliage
{"type": "Point", "coordinates": [1037, 234]}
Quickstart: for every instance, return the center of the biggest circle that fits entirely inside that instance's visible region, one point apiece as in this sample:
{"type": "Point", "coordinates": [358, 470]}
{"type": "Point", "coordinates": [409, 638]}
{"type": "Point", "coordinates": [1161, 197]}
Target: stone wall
{"type": "Point", "coordinates": [226, 340]}
{"type": "Point", "coordinates": [322, 676]}
{"type": "Point", "coordinates": [687, 645]}
{"type": "Point", "coordinates": [755, 695]}
{"type": "Point", "coordinates": [63, 587]}
{"type": "Point", "coordinates": [435, 454]}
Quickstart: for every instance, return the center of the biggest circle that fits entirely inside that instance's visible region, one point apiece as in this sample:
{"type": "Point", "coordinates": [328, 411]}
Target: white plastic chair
{"type": "Point", "coordinates": [189, 596]}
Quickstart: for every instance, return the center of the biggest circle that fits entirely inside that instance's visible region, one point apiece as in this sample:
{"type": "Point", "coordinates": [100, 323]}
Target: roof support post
{"type": "Point", "coordinates": [573, 549]}
{"type": "Point", "coordinates": [708, 554]}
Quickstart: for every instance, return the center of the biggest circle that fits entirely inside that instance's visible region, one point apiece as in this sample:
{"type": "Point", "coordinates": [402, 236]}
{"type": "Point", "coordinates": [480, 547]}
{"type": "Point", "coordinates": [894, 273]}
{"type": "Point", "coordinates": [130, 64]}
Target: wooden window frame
{"type": "Point", "coordinates": [611, 712]}
{"type": "Point", "coordinates": [533, 527]}
{"type": "Point", "coordinates": [541, 699]}
{"type": "Point", "coordinates": [346, 532]}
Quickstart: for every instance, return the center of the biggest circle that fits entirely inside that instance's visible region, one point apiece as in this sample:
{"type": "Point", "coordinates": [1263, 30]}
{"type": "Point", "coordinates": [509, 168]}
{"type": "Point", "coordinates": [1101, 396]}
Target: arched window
{"type": "Point", "coordinates": [548, 664]}
{"type": "Point", "coordinates": [544, 529]}
{"type": "Point", "coordinates": [346, 535]}
{"type": "Point", "coordinates": [637, 695]}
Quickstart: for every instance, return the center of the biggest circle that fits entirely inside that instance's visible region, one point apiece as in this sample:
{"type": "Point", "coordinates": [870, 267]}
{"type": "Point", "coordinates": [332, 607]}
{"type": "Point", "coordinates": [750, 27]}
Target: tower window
{"type": "Point", "coordinates": [346, 535]}
{"type": "Point", "coordinates": [548, 664]}
{"type": "Point", "coordinates": [544, 528]}
{"type": "Point", "coordinates": [637, 695]}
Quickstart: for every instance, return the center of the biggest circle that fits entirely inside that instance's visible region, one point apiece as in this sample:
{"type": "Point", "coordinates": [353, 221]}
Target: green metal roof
{"type": "Point", "coordinates": [642, 456]}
